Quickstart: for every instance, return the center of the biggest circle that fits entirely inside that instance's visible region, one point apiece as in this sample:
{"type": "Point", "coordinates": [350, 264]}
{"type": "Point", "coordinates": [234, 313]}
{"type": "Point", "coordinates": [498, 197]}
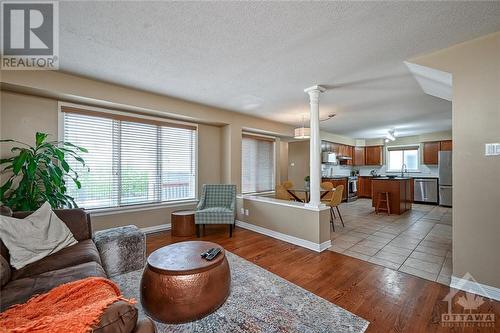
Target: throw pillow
{"type": "Point", "coordinates": [34, 237]}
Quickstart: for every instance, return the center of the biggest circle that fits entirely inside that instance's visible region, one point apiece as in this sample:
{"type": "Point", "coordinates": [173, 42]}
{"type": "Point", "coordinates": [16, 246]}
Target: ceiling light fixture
{"type": "Point", "coordinates": [302, 132]}
{"type": "Point", "coordinates": [330, 116]}
{"type": "Point", "coordinates": [390, 136]}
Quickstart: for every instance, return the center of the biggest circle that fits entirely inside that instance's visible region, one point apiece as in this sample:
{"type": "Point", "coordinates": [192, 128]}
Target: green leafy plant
{"type": "Point", "coordinates": [36, 174]}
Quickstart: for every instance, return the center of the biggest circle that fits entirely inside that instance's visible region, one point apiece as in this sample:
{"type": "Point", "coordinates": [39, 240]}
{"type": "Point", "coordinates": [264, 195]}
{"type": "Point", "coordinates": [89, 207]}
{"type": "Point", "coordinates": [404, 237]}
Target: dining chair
{"type": "Point", "coordinates": [334, 204]}
{"type": "Point", "coordinates": [287, 184]}
{"type": "Point", "coordinates": [327, 186]}
{"type": "Point", "coordinates": [281, 193]}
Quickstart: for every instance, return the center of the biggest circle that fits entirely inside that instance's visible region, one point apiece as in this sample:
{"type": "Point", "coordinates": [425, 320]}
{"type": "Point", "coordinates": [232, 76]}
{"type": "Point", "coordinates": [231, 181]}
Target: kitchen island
{"type": "Point", "coordinates": [399, 189]}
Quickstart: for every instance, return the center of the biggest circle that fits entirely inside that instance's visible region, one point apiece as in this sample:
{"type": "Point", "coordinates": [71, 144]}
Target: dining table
{"type": "Point", "coordinates": [295, 190]}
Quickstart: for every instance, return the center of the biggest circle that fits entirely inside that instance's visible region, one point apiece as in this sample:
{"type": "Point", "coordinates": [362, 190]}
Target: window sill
{"type": "Point", "coordinates": [399, 171]}
{"type": "Point", "coordinates": [138, 208]}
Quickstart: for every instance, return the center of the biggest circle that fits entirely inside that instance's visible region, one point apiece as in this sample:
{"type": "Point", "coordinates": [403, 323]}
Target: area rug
{"type": "Point", "coordinates": [260, 301]}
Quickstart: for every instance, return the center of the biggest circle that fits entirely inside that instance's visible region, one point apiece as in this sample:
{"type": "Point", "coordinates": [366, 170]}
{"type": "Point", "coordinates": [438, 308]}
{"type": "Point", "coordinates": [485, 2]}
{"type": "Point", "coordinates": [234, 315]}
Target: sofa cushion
{"type": "Point", "coordinates": [21, 290]}
{"type": "Point", "coordinates": [4, 211]}
{"type": "Point", "coordinates": [82, 252]}
{"type": "Point", "coordinates": [120, 316]}
{"type": "Point", "coordinates": [5, 271]}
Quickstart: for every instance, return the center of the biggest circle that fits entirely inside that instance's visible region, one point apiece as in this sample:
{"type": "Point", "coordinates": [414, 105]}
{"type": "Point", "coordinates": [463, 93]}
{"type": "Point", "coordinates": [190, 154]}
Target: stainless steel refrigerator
{"type": "Point", "coordinates": [445, 178]}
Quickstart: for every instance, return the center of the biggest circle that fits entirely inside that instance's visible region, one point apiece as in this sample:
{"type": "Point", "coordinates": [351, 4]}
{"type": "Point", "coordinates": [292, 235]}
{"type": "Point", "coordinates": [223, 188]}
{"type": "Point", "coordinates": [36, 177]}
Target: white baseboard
{"type": "Point", "coordinates": [475, 287]}
{"type": "Point", "coordinates": [284, 237]}
{"type": "Point", "coordinates": [156, 228]}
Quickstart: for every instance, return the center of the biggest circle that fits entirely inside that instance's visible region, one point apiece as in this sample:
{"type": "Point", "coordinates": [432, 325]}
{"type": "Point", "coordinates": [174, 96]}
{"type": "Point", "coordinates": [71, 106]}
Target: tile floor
{"type": "Point", "coordinates": [417, 242]}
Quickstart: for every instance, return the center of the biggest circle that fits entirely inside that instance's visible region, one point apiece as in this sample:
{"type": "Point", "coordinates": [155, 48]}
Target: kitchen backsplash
{"type": "Point", "coordinates": [328, 170]}
{"type": "Point", "coordinates": [430, 171]}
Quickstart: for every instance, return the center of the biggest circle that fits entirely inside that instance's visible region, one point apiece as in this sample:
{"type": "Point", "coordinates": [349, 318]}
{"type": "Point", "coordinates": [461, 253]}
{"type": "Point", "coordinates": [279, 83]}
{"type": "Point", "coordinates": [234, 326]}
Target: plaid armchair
{"type": "Point", "coordinates": [217, 206]}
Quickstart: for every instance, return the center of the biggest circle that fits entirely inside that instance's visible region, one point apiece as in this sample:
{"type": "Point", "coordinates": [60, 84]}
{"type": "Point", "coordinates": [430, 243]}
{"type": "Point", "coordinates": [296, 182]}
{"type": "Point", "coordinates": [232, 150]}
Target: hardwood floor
{"type": "Point", "coordinates": [392, 301]}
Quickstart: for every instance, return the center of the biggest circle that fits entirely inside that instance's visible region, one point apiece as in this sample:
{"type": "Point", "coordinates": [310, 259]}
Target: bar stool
{"type": "Point", "coordinates": [383, 197]}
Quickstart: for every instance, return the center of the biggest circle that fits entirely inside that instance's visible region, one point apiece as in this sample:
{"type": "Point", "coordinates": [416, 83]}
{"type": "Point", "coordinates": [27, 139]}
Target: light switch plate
{"type": "Point", "coordinates": [246, 212]}
{"type": "Point", "coordinates": [492, 149]}
{"type": "Point", "coordinates": [242, 211]}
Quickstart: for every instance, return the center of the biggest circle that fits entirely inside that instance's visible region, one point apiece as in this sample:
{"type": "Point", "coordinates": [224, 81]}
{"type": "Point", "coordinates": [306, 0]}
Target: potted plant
{"type": "Point", "coordinates": [36, 174]}
{"type": "Point", "coordinates": [307, 180]}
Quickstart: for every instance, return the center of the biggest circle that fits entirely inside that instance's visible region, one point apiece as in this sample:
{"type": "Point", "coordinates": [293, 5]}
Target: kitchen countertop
{"type": "Point", "coordinates": [334, 177]}
{"type": "Point", "coordinates": [412, 177]}
{"type": "Point", "coordinates": [395, 178]}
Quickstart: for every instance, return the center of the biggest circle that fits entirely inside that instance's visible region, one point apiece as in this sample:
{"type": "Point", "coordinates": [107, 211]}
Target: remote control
{"type": "Point", "coordinates": [213, 254]}
{"type": "Point", "coordinates": [207, 252]}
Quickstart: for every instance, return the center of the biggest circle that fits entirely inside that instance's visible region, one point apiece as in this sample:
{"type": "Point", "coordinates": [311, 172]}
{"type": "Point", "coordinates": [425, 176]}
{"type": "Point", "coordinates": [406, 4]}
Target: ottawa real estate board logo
{"type": "Point", "coordinates": [466, 308]}
{"type": "Point", "coordinates": [30, 35]}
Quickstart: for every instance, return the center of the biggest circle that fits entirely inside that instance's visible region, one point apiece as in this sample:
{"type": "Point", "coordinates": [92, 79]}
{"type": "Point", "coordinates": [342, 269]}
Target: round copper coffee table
{"type": "Point", "coordinates": [178, 285]}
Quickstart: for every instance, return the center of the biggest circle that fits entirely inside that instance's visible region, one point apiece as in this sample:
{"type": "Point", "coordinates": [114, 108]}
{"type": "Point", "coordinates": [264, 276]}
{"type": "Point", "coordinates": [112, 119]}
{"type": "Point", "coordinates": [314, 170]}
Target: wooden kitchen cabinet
{"type": "Point", "coordinates": [431, 152]}
{"type": "Point", "coordinates": [446, 145]}
{"type": "Point", "coordinates": [364, 187]}
{"type": "Point", "coordinates": [373, 155]}
{"type": "Point", "coordinates": [399, 190]}
{"type": "Point", "coordinates": [350, 153]}
{"type": "Point", "coordinates": [358, 157]}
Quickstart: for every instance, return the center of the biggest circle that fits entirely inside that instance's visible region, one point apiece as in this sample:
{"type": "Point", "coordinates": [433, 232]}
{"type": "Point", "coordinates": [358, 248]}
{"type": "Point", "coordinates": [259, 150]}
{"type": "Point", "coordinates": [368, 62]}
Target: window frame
{"type": "Point", "coordinates": [152, 117]}
{"type": "Point", "coordinates": [264, 138]}
{"type": "Point", "coordinates": [395, 148]}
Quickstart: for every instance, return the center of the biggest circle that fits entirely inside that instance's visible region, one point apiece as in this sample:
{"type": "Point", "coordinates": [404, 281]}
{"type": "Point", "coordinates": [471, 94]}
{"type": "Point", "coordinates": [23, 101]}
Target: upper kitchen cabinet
{"type": "Point", "coordinates": [431, 152]}
{"type": "Point", "coordinates": [345, 152]}
{"type": "Point", "coordinates": [432, 149]}
{"type": "Point", "coordinates": [446, 145]}
{"type": "Point", "coordinates": [373, 155]}
{"type": "Point", "coordinates": [358, 157]}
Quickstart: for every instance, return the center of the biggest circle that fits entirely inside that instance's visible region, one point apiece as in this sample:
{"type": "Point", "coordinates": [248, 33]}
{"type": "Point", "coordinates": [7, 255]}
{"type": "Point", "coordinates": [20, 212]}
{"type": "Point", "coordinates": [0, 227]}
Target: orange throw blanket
{"type": "Point", "coordinates": [71, 307]}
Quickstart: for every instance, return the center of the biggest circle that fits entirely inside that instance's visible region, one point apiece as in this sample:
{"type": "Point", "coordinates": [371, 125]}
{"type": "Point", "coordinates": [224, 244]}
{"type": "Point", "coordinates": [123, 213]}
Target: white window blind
{"type": "Point", "coordinates": [130, 161]}
{"type": "Point", "coordinates": [257, 164]}
{"type": "Point", "coordinates": [407, 155]}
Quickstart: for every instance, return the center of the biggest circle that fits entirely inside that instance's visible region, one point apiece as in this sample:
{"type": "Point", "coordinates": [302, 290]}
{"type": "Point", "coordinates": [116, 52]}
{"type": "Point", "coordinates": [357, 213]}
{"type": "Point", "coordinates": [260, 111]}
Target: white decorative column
{"type": "Point", "coordinates": [315, 147]}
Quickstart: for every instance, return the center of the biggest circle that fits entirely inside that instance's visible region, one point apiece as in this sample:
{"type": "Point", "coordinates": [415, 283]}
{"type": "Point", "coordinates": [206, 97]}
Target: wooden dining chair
{"type": "Point", "coordinates": [281, 193]}
{"type": "Point", "coordinates": [327, 186]}
{"type": "Point", "coordinates": [334, 203]}
{"type": "Point", "coordinates": [288, 185]}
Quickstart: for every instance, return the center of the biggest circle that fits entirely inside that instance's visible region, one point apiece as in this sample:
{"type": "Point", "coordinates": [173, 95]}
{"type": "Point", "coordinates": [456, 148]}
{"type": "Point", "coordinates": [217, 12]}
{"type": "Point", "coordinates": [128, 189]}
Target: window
{"type": "Point", "coordinates": [130, 160]}
{"type": "Point", "coordinates": [408, 155]}
{"type": "Point", "coordinates": [257, 164]}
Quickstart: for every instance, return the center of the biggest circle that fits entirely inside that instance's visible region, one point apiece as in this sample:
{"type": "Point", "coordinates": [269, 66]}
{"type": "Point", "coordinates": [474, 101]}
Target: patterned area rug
{"type": "Point", "coordinates": [260, 301]}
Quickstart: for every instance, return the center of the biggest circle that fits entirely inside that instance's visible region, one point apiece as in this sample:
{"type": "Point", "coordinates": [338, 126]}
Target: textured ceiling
{"type": "Point", "coordinates": [257, 57]}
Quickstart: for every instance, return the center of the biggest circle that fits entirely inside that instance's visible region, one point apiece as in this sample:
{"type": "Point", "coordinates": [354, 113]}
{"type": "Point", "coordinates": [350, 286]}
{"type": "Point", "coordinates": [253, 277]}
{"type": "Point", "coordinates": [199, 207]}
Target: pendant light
{"type": "Point", "coordinates": [302, 132]}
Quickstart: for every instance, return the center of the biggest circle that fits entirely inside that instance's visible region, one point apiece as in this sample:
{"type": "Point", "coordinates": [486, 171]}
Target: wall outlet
{"type": "Point", "coordinates": [242, 211]}
{"type": "Point", "coordinates": [246, 212]}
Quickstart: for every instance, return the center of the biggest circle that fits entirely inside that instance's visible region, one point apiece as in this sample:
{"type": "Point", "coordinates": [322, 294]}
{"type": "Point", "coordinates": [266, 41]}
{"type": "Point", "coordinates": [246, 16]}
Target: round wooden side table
{"type": "Point", "coordinates": [182, 222]}
{"type": "Point", "coordinates": [178, 285]}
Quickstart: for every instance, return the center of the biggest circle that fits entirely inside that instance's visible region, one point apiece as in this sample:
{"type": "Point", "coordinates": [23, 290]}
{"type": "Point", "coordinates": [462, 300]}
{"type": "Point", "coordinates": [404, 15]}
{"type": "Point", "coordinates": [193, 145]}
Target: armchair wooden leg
{"type": "Point", "coordinates": [230, 230]}
{"type": "Point", "coordinates": [204, 230]}
{"type": "Point", "coordinates": [198, 231]}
